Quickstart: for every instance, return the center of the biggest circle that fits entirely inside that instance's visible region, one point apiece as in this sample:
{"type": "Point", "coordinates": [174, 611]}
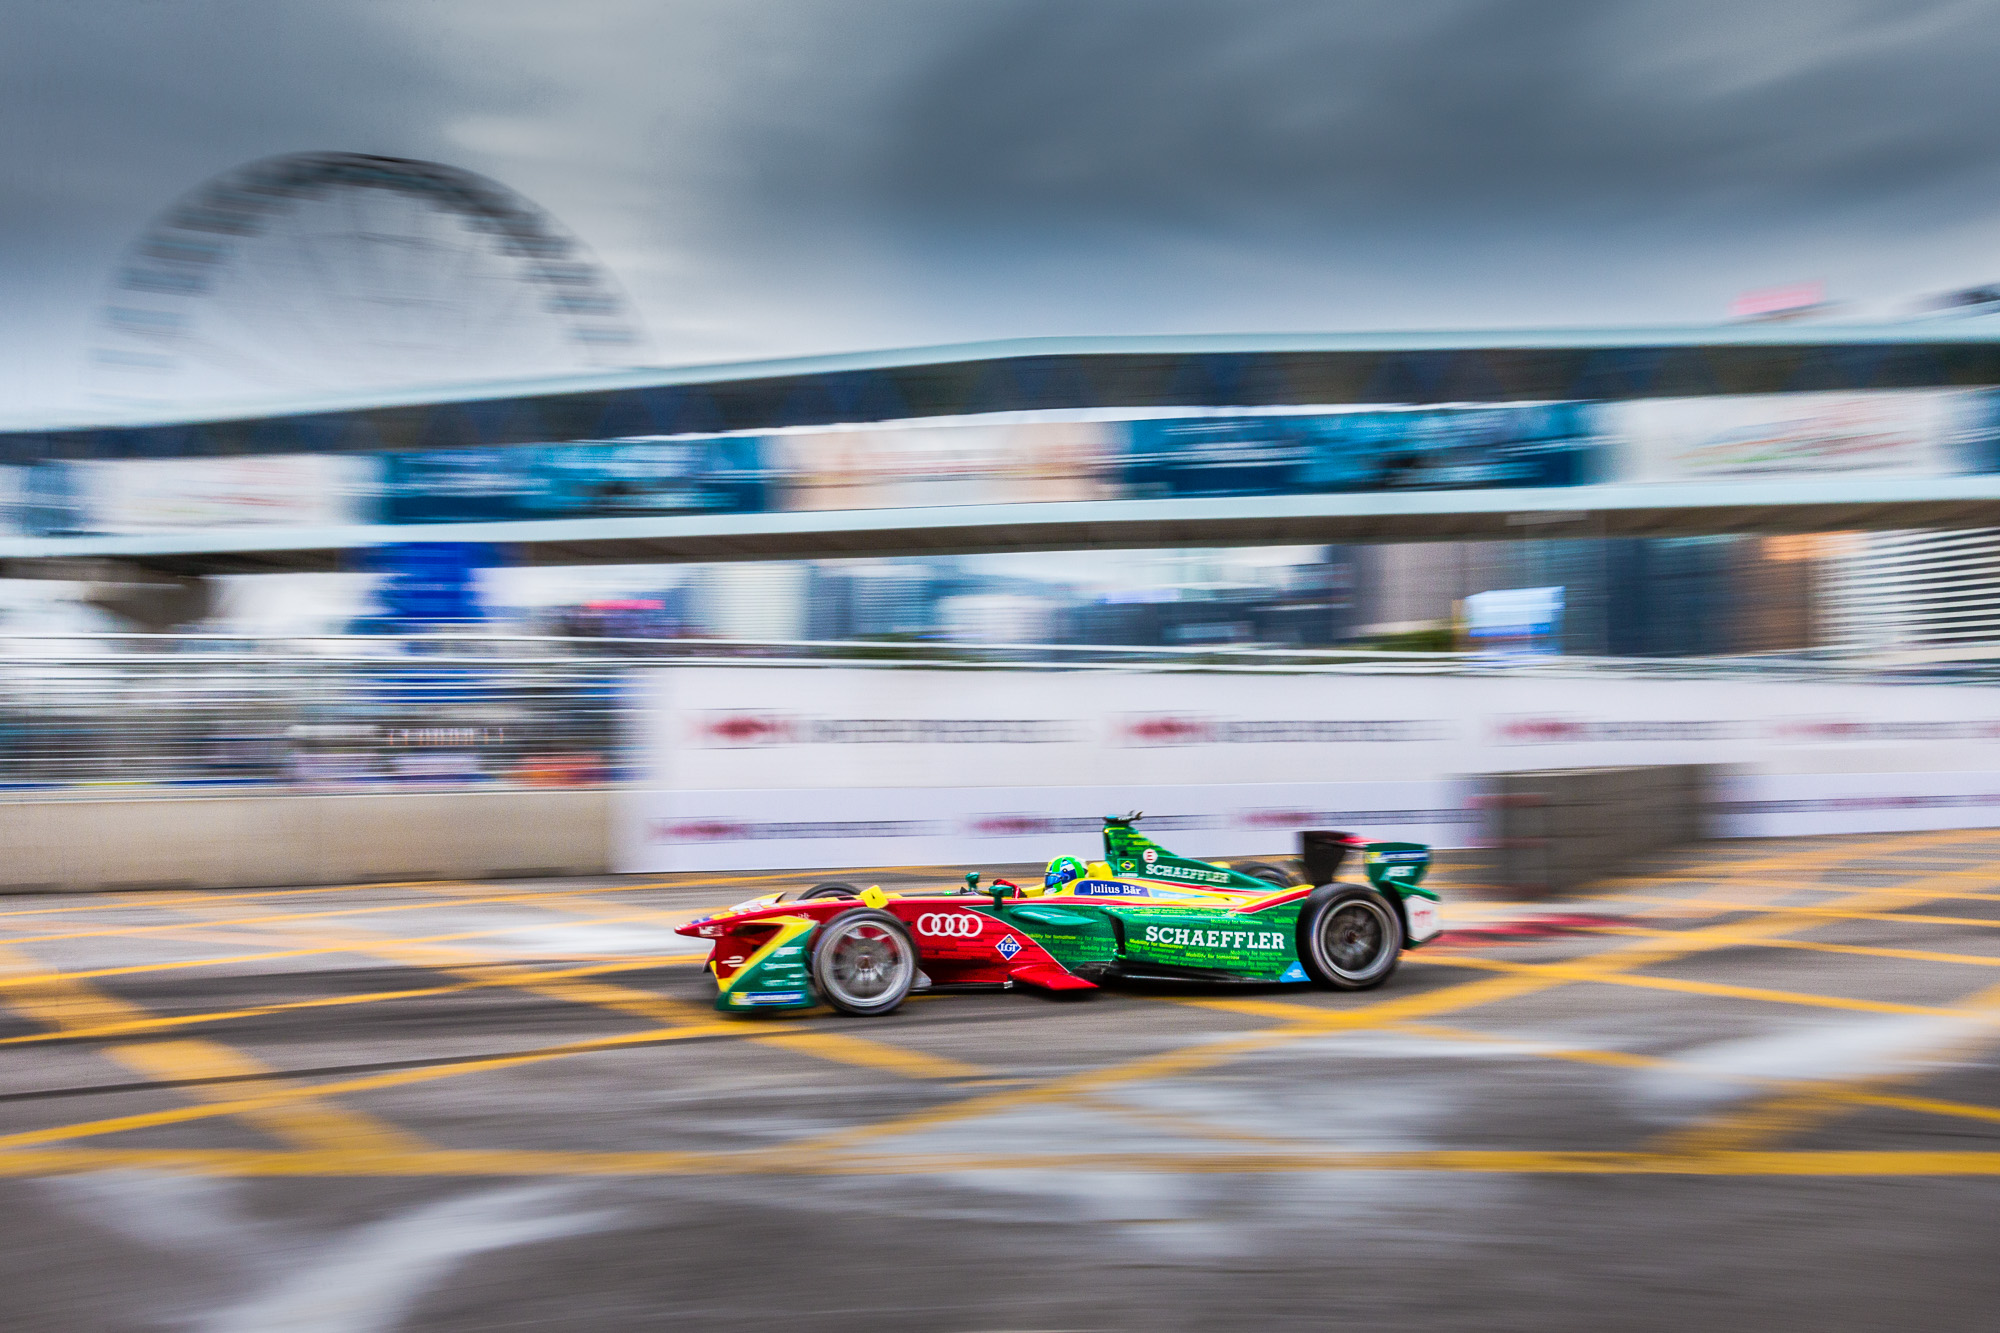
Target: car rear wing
{"type": "Point", "coordinates": [1387, 864]}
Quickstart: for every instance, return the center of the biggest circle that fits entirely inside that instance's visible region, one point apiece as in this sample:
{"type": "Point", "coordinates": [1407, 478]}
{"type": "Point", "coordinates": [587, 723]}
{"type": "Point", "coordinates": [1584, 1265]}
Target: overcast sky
{"type": "Point", "coordinates": [769, 177]}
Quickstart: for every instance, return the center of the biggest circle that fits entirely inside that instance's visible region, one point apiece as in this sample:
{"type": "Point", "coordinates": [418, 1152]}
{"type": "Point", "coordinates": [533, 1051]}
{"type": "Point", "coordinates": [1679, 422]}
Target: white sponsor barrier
{"type": "Point", "coordinates": [874, 826]}
{"type": "Point", "coordinates": [1777, 805]}
{"type": "Point", "coordinates": [779, 767]}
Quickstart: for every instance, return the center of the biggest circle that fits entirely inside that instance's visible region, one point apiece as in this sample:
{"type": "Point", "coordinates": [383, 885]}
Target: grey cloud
{"type": "Point", "coordinates": [806, 175]}
{"type": "Point", "coordinates": [1305, 116]}
{"type": "Point", "coordinates": [112, 110]}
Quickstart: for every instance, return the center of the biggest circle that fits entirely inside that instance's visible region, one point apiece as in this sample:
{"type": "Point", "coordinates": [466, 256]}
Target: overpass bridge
{"type": "Point", "coordinates": [1038, 379]}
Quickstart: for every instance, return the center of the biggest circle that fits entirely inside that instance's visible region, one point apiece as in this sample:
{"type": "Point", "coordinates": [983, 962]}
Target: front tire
{"type": "Point", "coordinates": [1350, 938]}
{"type": "Point", "coordinates": [863, 962]}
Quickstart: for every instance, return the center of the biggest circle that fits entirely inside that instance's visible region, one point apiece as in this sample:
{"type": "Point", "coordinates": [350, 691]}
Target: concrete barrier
{"type": "Point", "coordinates": [1551, 830]}
{"type": "Point", "coordinates": [261, 841]}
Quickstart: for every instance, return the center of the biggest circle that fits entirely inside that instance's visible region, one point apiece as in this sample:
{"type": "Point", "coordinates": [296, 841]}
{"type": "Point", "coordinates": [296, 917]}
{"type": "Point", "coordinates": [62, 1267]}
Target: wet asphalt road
{"type": "Point", "coordinates": [1754, 1087]}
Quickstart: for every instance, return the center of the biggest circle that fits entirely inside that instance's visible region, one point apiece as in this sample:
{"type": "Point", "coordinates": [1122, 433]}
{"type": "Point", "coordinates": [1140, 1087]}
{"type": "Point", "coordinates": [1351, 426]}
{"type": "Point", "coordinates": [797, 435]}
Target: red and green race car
{"type": "Point", "coordinates": [1141, 913]}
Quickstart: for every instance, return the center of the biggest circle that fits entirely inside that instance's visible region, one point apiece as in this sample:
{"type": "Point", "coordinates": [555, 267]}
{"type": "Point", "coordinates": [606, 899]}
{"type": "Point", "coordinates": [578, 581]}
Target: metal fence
{"type": "Point", "coordinates": [320, 715]}
{"type": "Point", "coordinates": [457, 711]}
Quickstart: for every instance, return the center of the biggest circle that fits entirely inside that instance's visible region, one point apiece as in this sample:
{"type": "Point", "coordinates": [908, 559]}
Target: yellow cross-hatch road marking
{"type": "Point", "coordinates": [307, 1122]}
{"type": "Point", "coordinates": [1686, 987]}
{"type": "Point", "coordinates": [500, 978]}
{"type": "Point", "coordinates": [280, 1101]}
{"type": "Point", "coordinates": [1849, 914]}
{"type": "Point", "coordinates": [1309, 1021]}
{"type": "Point", "coordinates": [1799, 1109]}
{"type": "Point", "coordinates": [1528, 1048]}
{"type": "Point", "coordinates": [840, 1048]}
{"type": "Point", "coordinates": [332, 1153]}
{"type": "Point", "coordinates": [1820, 946]}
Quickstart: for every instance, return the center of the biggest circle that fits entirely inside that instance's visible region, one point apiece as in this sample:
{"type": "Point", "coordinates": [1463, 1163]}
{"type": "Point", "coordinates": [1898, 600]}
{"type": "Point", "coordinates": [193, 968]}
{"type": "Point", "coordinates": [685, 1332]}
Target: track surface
{"type": "Point", "coordinates": [1753, 1087]}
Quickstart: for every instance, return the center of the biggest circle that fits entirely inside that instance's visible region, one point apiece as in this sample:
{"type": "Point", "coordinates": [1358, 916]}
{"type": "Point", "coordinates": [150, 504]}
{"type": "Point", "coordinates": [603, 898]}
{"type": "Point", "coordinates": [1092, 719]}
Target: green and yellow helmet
{"type": "Point", "coordinates": [1061, 871]}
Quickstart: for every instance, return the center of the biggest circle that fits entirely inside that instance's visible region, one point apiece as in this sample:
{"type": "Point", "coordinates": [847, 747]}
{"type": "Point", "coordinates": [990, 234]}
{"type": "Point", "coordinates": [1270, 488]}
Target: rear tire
{"type": "Point", "coordinates": [863, 962]}
{"type": "Point", "coordinates": [829, 891]}
{"type": "Point", "coordinates": [1270, 874]}
{"type": "Point", "coordinates": [1350, 938]}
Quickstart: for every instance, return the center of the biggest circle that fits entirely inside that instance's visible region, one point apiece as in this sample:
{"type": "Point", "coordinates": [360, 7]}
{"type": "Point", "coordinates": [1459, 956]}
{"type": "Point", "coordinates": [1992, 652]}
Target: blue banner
{"type": "Point", "coordinates": [627, 478]}
{"type": "Point", "coordinates": [1427, 449]}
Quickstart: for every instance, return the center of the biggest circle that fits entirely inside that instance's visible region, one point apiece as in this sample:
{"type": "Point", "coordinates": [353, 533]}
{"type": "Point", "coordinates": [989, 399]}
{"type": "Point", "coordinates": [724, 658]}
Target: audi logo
{"type": "Point", "coordinates": [964, 925]}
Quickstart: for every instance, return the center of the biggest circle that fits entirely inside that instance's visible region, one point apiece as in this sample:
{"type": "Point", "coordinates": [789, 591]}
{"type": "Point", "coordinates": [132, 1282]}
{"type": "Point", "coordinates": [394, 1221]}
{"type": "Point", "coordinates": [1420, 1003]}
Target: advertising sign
{"type": "Point", "coordinates": [1903, 433]}
{"type": "Point", "coordinates": [907, 466]}
{"type": "Point", "coordinates": [830, 827]}
{"type": "Point", "coordinates": [608, 479]}
{"type": "Point", "coordinates": [13, 495]}
{"type": "Point", "coordinates": [167, 494]}
{"type": "Point", "coordinates": [831, 766]}
{"type": "Point", "coordinates": [425, 584]}
{"type": "Point", "coordinates": [1523, 619]}
{"type": "Point", "coordinates": [1414, 449]}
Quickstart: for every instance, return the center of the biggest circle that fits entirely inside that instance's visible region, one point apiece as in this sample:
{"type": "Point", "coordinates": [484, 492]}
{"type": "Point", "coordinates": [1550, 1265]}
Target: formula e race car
{"type": "Point", "coordinates": [1142, 912]}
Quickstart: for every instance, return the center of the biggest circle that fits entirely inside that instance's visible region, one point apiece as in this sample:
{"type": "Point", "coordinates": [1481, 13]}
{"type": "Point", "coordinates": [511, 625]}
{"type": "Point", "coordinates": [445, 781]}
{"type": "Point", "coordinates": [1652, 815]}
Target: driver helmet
{"type": "Point", "coordinates": [1061, 871]}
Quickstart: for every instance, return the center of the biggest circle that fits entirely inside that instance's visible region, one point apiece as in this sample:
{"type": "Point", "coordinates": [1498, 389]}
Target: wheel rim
{"type": "Point", "coordinates": [1354, 939]}
{"type": "Point", "coordinates": [866, 963]}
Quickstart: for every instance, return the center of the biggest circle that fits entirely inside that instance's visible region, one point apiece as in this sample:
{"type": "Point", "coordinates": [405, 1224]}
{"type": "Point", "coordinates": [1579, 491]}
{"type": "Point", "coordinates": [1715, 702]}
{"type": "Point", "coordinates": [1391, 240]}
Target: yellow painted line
{"type": "Point", "coordinates": [1687, 987]}
{"type": "Point", "coordinates": [1864, 848]}
{"type": "Point", "coordinates": [840, 1048]}
{"type": "Point", "coordinates": [1201, 1056]}
{"type": "Point", "coordinates": [500, 979]}
{"type": "Point", "coordinates": [287, 1100]}
{"type": "Point", "coordinates": [835, 1047]}
{"type": "Point", "coordinates": [126, 900]}
{"type": "Point", "coordinates": [63, 1003]}
{"type": "Point", "coordinates": [1843, 914]}
{"type": "Point", "coordinates": [1186, 1059]}
{"type": "Point", "coordinates": [1304, 1021]}
{"type": "Point", "coordinates": [1816, 946]}
{"type": "Point", "coordinates": [516, 1162]}
{"type": "Point", "coordinates": [1815, 886]}
{"type": "Point", "coordinates": [197, 899]}
{"type": "Point", "coordinates": [133, 969]}
{"type": "Point", "coordinates": [1873, 849]}
{"type": "Point", "coordinates": [1920, 1105]}
{"type": "Point", "coordinates": [1803, 1108]}
{"type": "Point", "coordinates": [1187, 1126]}
{"type": "Point", "coordinates": [843, 1048]}
{"type": "Point", "coordinates": [121, 900]}
{"type": "Point", "coordinates": [282, 918]}
{"type": "Point", "coordinates": [1528, 1048]}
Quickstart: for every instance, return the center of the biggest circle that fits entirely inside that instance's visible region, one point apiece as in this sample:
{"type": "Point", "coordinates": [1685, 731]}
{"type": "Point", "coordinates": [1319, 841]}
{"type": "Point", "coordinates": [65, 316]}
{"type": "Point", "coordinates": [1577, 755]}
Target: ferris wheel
{"type": "Point", "coordinates": [321, 271]}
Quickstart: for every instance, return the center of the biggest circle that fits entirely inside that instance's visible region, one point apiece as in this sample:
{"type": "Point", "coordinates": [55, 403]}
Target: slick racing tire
{"type": "Point", "coordinates": [829, 891]}
{"type": "Point", "coordinates": [863, 962]}
{"type": "Point", "coordinates": [1350, 937]}
{"type": "Point", "coordinates": [1267, 872]}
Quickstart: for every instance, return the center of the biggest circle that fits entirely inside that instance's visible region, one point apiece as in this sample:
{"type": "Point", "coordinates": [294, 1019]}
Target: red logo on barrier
{"type": "Point", "coordinates": [1010, 826]}
{"type": "Point", "coordinates": [662, 830]}
{"type": "Point", "coordinates": [746, 729]}
{"type": "Point", "coordinates": [1167, 729]}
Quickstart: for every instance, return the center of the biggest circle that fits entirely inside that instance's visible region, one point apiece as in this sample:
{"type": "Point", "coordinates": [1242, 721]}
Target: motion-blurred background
{"type": "Point", "coordinates": [656, 452]}
{"type": "Point", "coordinates": [533, 345]}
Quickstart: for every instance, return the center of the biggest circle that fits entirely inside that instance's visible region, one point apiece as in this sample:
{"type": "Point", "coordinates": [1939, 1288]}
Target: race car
{"type": "Point", "coordinates": [864, 953]}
